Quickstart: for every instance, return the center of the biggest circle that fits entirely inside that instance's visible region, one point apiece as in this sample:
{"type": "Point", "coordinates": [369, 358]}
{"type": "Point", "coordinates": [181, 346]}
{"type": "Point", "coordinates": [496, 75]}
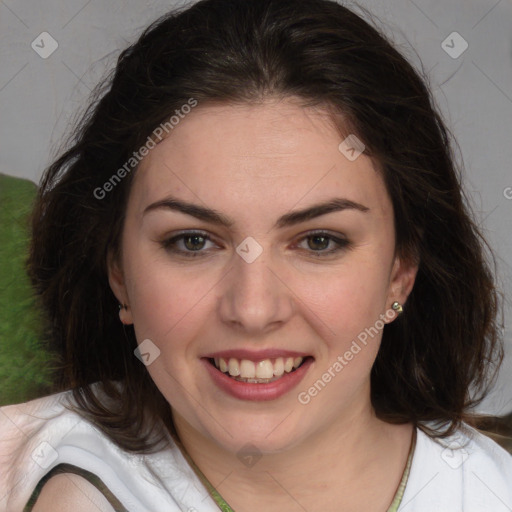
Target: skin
{"type": "Point", "coordinates": [254, 163]}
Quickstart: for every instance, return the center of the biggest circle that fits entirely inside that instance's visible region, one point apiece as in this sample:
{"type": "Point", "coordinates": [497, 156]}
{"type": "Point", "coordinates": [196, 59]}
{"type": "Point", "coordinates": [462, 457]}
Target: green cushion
{"type": "Point", "coordinates": [24, 362]}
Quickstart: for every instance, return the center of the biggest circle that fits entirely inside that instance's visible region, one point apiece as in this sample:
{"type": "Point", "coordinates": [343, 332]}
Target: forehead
{"type": "Point", "coordinates": [256, 157]}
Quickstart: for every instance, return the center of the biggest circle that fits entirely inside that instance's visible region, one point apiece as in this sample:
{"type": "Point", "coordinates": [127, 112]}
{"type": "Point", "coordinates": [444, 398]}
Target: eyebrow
{"type": "Point", "coordinates": [289, 219]}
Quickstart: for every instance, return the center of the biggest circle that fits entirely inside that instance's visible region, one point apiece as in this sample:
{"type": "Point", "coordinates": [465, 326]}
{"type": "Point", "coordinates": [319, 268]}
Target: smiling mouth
{"type": "Point", "coordinates": [261, 372]}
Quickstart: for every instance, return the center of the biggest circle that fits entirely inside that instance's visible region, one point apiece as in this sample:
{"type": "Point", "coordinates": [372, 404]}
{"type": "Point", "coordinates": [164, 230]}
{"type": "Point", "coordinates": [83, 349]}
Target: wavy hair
{"type": "Point", "coordinates": [435, 362]}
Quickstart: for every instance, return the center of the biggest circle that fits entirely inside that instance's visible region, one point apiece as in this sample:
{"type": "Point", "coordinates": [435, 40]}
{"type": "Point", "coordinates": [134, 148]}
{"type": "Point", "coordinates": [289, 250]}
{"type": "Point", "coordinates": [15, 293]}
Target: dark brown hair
{"type": "Point", "coordinates": [435, 361]}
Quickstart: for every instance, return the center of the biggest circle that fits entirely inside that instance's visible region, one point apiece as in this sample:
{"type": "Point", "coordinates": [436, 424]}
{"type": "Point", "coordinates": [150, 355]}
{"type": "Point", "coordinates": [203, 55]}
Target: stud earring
{"type": "Point", "coordinates": [123, 312]}
{"type": "Point", "coordinates": [397, 307]}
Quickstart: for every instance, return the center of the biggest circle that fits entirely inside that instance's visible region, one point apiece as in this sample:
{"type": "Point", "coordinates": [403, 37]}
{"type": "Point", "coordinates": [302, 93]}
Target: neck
{"type": "Point", "coordinates": [353, 454]}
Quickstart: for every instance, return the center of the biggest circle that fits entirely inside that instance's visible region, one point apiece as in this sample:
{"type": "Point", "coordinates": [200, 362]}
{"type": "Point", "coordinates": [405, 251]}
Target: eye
{"type": "Point", "coordinates": [318, 241]}
{"type": "Point", "coordinates": [189, 244]}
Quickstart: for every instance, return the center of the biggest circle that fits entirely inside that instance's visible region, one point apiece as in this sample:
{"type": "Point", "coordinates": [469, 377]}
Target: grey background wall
{"type": "Point", "coordinates": [53, 52]}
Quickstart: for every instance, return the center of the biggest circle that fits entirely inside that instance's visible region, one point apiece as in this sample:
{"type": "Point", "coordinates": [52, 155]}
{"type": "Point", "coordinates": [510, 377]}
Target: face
{"type": "Point", "coordinates": [253, 244]}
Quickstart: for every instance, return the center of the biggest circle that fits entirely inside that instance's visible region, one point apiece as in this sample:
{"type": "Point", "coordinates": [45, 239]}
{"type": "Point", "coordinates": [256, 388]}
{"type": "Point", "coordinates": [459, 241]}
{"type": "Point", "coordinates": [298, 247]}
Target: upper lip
{"type": "Point", "coordinates": [251, 355]}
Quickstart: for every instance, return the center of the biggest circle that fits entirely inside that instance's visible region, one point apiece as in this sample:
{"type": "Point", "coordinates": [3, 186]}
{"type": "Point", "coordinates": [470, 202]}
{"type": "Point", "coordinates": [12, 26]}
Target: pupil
{"type": "Point", "coordinates": [323, 238]}
{"type": "Point", "coordinates": [195, 238]}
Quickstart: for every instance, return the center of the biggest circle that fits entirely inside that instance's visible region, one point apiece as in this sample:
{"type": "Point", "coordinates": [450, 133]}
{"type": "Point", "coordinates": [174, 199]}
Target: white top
{"type": "Point", "coordinates": [474, 476]}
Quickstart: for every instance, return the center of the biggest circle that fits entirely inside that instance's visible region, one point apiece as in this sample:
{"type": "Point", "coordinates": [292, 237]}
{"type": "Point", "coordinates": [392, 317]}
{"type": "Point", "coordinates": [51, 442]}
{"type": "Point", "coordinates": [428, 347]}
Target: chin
{"type": "Point", "coordinates": [266, 435]}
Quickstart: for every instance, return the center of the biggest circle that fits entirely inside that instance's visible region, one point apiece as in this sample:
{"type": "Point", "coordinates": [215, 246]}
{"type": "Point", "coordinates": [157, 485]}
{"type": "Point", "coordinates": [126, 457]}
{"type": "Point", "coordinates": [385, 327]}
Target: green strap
{"type": "Point", "coordinates": [211, 489]}
{"type": "Point", "coordinates": [213, 492]}
{"type": "Point", "coordinates": [401, 487]}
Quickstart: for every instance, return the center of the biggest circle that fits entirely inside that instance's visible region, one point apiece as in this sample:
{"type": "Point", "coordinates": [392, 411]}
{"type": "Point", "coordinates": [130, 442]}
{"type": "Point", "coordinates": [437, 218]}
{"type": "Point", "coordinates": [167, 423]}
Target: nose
{"type": "Point", "coordinates": [255, 297]}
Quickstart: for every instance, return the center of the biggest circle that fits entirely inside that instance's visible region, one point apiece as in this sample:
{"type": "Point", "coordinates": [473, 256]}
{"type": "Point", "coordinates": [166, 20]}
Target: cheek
{"type": "Point", "coordinates": [347, 300]}
{"type": "Point", "coordinates": [351, 332]}
{"type": "Point", "coordinates": [168, 303]}
{"type": "Point", "coordinates": [163, 305]}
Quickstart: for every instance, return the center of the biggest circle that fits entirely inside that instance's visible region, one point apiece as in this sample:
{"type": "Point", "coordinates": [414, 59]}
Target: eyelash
{"type": "Point", "coordinates": [169, 244]}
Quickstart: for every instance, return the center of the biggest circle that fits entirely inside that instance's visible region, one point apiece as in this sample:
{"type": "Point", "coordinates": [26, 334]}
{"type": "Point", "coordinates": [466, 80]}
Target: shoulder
{"type": "Point", "coordinates": [466, 469]}
{"type": "Point", "coordinates": [471, 449]}
{"type": "Point", "coordinates": [42, 435]}
{"type": "Point", "coordinates": [20, 424]}
{"type": "Point", "coordinates": [38, 436]}
{"type": "Point", "coordinates": [28, 433]}
{"type": "Point", "coordinates": [68, 491]}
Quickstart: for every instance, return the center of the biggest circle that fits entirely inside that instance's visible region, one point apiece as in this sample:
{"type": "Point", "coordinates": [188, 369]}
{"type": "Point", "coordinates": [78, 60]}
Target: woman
{"type": "Point", "coordinates": [263, 282]}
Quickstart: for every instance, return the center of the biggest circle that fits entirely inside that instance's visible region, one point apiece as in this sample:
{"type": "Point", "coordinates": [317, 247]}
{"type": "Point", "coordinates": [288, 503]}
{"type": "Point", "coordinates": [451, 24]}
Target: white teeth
{"type": "Point", "coordinates": [288, 364]}
{"type": "Point", "coordinates": [265, 369]}
{"type": "Point", "coordinates": [233, 367]}
{"type": "Point", "coordinates": [247, 369]}
{"type": "Point", "coordinates": [279, 367]}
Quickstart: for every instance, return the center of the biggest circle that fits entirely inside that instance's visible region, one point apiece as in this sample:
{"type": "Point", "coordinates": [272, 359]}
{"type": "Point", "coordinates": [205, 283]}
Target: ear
{"type": "Point", "coordinates": [118, 287]}
{"type": "Point", "coordinates": [403, 276]}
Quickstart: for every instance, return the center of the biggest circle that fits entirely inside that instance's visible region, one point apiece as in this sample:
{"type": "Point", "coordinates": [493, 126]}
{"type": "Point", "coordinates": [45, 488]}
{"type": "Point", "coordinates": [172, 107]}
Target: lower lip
{"type": "Point", "coordinates": [258, 392]}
